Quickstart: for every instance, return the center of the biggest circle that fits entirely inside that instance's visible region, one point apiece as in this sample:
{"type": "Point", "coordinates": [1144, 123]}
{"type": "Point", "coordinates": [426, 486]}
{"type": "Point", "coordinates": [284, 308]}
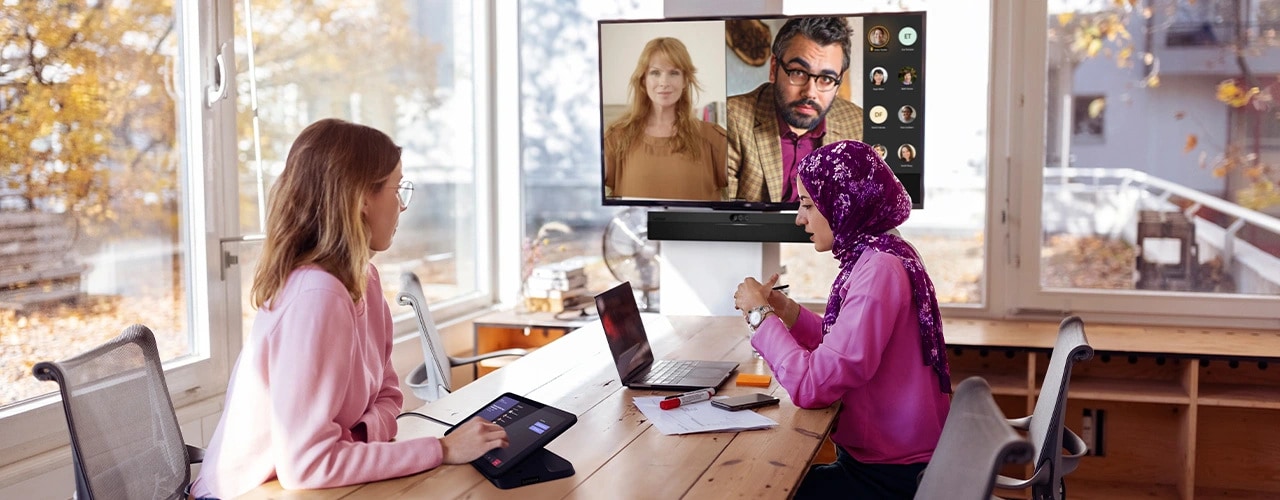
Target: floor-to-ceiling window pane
{"type": "Point", "coordinates": [1162, 145]}
{"type": "Point", "coordinates": [564, 216]}
{"type": "Point", "coordinates": [403, 67]}
{"type": "Point", "coordinates": [91, 198]}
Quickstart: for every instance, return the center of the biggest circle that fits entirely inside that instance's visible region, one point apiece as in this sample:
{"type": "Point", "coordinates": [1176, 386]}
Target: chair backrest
{"type": "Point", "coordinates": [439, 379]}
{"type": "Point", "coordinates": [976, 441]}
{"type": "Point", "coordinates": [1047, 420]}
{"type": "Point", "coordinates": [125, 439]}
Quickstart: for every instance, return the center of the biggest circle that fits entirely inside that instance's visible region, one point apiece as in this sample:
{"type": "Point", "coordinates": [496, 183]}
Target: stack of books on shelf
{"type": "Point", "coordinates": [556, 287]}
{"type": "Point", "coordinates": [715, 113]}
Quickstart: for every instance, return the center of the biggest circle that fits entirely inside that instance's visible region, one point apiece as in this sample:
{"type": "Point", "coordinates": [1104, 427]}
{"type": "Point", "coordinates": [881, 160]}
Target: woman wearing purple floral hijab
{"type": "Point", "coordinates": [878, 349]}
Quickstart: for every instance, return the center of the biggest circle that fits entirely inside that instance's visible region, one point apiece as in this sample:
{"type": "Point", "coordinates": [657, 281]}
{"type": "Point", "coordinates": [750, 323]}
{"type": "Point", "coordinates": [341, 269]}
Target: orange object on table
{"type": "Point", "coordinates": [754, 380]}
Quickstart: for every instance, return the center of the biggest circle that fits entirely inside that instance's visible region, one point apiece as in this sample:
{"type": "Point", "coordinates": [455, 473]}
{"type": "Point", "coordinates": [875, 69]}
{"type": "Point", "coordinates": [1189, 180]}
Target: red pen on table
{"type": "Point", "coordinates": [672, 402]}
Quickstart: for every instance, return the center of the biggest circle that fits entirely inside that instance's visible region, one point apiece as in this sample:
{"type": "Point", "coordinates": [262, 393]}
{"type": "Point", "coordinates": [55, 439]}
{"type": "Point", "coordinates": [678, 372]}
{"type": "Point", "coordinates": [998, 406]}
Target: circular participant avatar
{"type": "Point", "coordinates": [878, 37]}
{"type": "Point", "coordinates": [878, 76]}
{"type": "Point", "coordinates": [907, 114]}
{"type": "Point", "coordinates": [907, 36]}
{"type": "Point", "coordinates": [906, 153]}
{"type": "Point", "coordinates": [878, 114]}
{"type": "Point", "coordinates": [907, 75]}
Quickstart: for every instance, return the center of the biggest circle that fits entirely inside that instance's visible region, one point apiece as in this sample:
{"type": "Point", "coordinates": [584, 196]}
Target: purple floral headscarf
{"type": "Point", "coordinates": [861, 198]}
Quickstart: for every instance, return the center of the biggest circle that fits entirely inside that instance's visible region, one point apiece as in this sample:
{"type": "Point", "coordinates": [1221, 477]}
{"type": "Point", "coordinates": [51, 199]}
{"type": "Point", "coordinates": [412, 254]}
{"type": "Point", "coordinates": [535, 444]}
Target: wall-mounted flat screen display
{"type": "Point", "coordinates": [718, 112]}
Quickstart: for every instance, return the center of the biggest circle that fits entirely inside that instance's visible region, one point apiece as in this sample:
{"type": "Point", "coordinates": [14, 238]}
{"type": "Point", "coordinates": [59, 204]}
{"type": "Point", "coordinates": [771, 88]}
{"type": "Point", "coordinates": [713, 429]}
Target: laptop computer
{"type": "Point", "coordinates": [629, 344]}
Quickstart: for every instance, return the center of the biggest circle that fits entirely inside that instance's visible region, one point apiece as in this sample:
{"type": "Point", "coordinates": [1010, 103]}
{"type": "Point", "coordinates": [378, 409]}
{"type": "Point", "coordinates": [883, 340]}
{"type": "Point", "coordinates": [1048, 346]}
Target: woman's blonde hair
{"type": "Point", "coordinates": [314, 213]}
{"type": "Point", "coordinates": [631, 125]}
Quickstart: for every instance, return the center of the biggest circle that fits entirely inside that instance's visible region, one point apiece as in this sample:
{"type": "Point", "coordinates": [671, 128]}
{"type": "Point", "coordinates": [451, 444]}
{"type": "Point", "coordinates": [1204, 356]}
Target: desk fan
{"type": "Point", "coordinates": [630, 256]}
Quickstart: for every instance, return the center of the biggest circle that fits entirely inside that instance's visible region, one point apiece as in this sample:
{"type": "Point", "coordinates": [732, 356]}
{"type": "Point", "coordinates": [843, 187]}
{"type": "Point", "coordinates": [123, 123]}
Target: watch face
{"type": "Point", "coordinates": [753, 317]}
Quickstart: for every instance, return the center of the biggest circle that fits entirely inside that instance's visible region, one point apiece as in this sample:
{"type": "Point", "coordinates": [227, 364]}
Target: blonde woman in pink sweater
{"type": "Point", "coordinates": [313, 398]}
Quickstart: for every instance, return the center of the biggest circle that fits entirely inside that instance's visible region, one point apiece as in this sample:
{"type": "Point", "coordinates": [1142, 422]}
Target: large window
{"type": "Point", "coordinates": [405, 68]}
{"type": "Point", "coordinates": [563, 214]}
{"type": "Point", "coordinates": [140, 141]}
{"type": "Point", "coordinates": [103, 218]}
{"type": "Point", "coordinates": [1157, 209]}
{"type": "Point", "coordinates": [90, 194]}
{"type": "Point", "coordinates": [1171, 210]}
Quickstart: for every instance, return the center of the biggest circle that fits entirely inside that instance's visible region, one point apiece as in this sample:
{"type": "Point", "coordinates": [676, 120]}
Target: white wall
{"type": "Point", "coordinates": [620, 46]}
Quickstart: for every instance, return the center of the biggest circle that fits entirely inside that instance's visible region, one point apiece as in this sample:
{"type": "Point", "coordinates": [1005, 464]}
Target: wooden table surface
{"type": "Point", "coordinates": [615, 451]}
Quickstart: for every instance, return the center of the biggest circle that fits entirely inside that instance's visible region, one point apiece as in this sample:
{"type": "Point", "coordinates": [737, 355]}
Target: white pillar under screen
{"type": "Point", "coordinates": [699, 277]}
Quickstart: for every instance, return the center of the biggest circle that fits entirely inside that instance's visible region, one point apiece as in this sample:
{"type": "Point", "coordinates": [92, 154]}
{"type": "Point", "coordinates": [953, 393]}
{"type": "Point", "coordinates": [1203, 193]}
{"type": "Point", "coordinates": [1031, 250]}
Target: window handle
{"type": "Point", "coordinates": [218, 89]}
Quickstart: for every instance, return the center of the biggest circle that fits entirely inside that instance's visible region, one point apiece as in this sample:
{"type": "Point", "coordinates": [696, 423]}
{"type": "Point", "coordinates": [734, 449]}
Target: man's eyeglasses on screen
{"type": "Point", "coordinates": [799, 77]}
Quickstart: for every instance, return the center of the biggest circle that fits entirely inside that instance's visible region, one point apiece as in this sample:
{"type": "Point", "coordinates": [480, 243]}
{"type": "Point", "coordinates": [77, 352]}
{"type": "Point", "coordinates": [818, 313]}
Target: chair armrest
{"type": "Point", "coordinates": [1021, 424]}
{"type": "Point", "coordinates": [1009, 483]}
{"type": "Point", "coordinates": [495, 354]}
{"type": "Point", "coordinates": [1041, 475]}
{"type": "Point", "coordinates": [195, 454]}
{"type": "Point", "coordinates": [1075, 447]}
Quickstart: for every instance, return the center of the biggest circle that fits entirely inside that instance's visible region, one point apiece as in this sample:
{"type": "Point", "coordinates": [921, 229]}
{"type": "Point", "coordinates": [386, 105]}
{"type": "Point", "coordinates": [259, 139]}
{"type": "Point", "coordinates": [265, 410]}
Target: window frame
{"type": "Point", "coordinates": [1018, 98]}
{"type": "Point", "coordinates": [202, 374]}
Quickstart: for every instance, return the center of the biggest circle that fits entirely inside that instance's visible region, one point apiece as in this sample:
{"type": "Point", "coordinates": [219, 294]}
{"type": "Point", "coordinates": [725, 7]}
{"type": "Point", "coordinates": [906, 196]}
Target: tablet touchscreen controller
{"type": "Point", "coordinates": [530, 425]}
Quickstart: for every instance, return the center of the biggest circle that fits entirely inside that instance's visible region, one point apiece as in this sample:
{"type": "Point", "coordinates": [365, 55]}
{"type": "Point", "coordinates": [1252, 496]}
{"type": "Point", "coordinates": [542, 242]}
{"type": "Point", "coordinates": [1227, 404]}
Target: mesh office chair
{"type": "Point", "coordinates": [976, 441]}
{"type": "Point", "coordinates": [125, 440]}
{"type": "Point", "coordinates": [433, 379]}
{"type": "Point", "coordinates": [1045, 427]}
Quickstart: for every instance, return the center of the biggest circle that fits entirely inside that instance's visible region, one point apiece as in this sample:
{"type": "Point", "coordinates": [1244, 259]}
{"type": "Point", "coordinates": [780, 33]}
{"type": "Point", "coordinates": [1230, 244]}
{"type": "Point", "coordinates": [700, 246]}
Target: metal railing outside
{"type": "Point", "coordinates": [1163, 190]}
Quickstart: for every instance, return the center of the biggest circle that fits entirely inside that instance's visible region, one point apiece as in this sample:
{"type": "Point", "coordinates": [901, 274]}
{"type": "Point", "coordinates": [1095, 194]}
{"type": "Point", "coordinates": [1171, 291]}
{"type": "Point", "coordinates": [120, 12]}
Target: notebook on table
{"type": "Point", "coordinates": [629, 344]}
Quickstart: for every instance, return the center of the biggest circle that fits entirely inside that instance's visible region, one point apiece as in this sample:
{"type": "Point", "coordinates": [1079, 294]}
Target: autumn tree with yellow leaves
{"type": "Point", "coordinates": [87, 123]}
{"type": "Point", "coordinates": [88, 96]}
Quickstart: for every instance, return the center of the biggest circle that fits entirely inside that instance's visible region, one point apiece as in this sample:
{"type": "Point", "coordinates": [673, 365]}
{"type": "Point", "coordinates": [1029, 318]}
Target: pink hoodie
{"type": "Point", "coordinates": [315, 366]}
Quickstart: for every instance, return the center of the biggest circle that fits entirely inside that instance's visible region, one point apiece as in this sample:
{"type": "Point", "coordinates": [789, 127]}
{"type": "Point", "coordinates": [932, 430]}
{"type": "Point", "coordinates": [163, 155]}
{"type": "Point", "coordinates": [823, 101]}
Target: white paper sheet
{"type": "Point", "coordinates": [699, 417]}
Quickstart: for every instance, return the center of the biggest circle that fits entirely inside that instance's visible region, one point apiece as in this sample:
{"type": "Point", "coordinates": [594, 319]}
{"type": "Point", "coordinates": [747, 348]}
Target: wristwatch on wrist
{"type": "Point", "coordinates": [757, 314]}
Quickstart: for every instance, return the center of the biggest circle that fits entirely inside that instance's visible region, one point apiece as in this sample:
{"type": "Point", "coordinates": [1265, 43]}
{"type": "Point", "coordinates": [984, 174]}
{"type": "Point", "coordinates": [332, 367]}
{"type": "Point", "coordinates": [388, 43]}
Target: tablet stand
{"type": "Point", "coordinates": [541, 466]}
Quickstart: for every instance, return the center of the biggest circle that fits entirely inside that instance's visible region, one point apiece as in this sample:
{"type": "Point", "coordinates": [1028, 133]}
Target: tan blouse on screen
{"type": "Point", "coordinates": [652, 170]}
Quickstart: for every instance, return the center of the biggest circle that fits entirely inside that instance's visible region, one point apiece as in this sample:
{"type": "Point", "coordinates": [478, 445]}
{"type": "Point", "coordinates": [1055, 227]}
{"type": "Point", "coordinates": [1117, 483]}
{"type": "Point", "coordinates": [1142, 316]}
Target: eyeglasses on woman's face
{"type": "Point", "coordinates": [404, 191]}
{"type": "Point", "coordinates": [799, 77]}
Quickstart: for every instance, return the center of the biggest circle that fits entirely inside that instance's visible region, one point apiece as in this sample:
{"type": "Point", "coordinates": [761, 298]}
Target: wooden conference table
{"type": "Point", "coordinates": [615, 451]}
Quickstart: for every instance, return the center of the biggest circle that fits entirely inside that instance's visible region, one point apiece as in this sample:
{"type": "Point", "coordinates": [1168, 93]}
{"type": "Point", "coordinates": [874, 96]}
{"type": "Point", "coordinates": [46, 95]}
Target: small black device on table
{"type": "Point", "coordinates": [530, 425]}
{"type": "Point", "coordinates": [744, 402]}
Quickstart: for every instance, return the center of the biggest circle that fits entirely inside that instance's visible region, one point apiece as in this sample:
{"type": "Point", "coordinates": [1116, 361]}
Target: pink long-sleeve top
{"type": "Point", "coordinates": [892, 409]}
{"type": "Point", "coordinates": [315, 367]}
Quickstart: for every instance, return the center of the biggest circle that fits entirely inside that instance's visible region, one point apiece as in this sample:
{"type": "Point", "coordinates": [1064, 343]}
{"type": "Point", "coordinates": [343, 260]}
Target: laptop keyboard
{"type": "Point", "coordinates": [666, 372]}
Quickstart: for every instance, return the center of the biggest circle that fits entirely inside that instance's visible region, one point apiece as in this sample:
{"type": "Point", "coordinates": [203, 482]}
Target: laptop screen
{"type": "Point", "coordinates": [624, 330]}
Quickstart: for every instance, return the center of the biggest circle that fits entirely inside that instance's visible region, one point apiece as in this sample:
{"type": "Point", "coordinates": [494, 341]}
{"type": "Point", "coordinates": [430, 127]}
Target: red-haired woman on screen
{"type": "Point", "coordinates": [658, 148]}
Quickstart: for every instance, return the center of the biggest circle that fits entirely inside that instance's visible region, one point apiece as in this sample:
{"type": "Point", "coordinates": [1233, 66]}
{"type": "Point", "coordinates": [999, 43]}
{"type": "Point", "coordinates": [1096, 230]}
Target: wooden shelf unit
{"type": "Point", "coordinates": [1190, 413]}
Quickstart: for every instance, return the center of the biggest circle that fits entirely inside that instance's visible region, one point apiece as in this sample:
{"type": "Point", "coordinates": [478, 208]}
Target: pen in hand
{"type": "Point", "coordinates": [672, 402]}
